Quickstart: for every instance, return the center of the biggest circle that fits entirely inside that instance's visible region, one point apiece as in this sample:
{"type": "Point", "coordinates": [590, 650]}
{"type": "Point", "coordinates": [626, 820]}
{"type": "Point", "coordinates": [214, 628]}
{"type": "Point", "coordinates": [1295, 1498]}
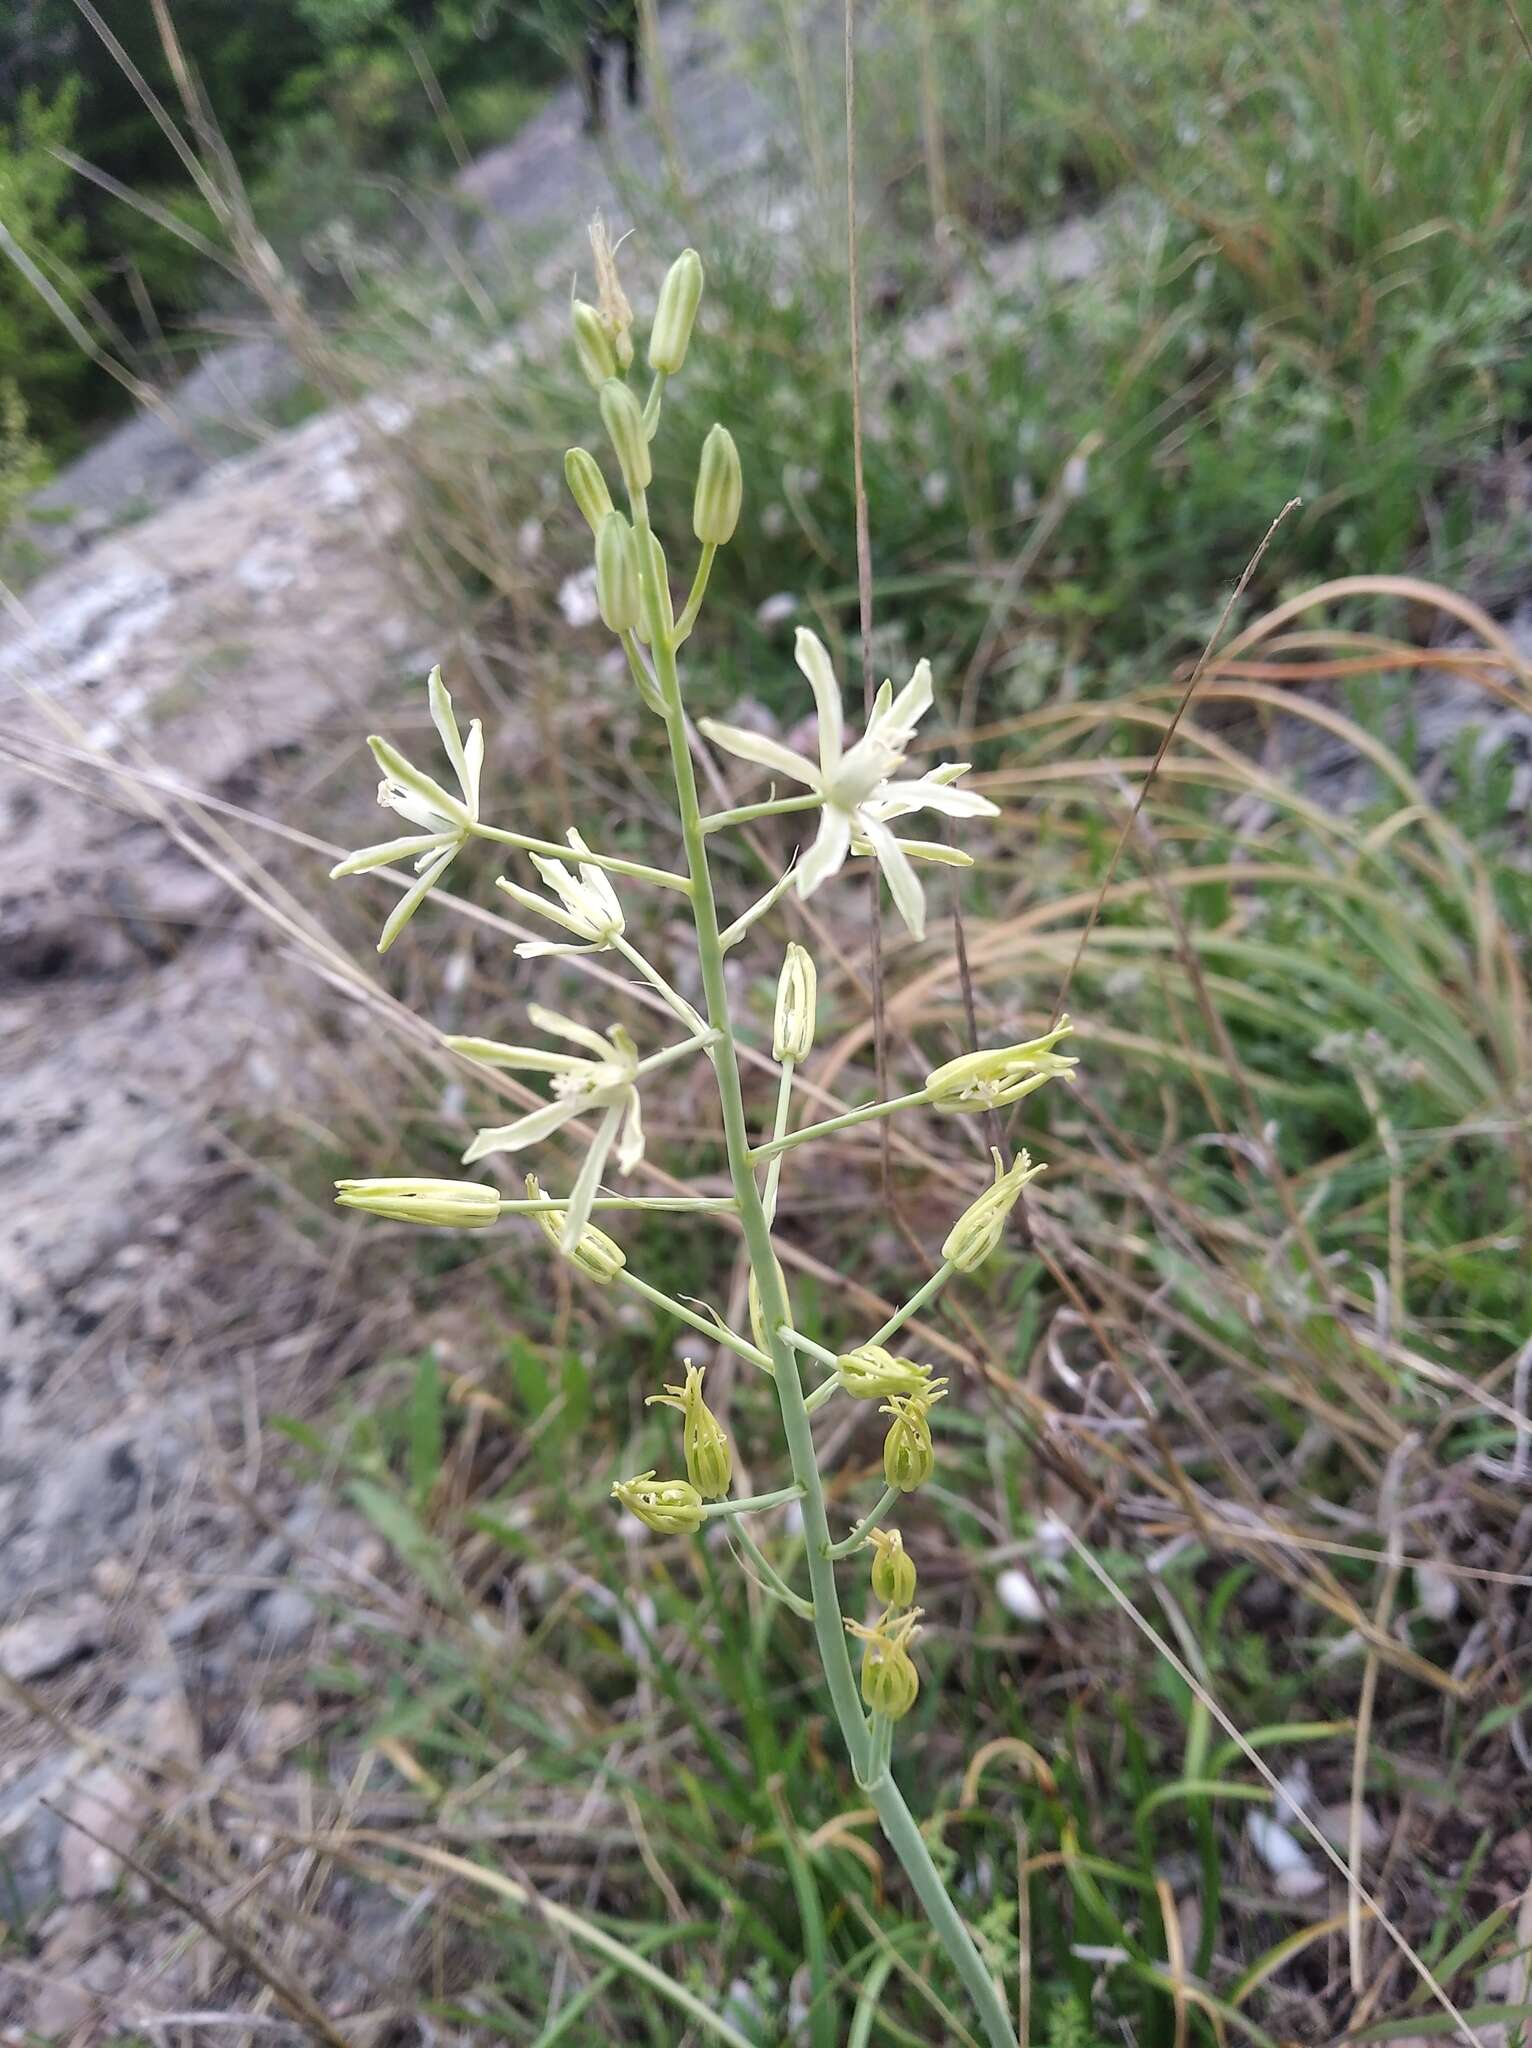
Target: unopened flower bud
{"type": "Point", "coordinates": [709, 1461]}
{"type": "Point", "coordinates": [792, 1031]}
{"type": "Point", "coordinates": [872, 1373]}
{"type": "Point", "coordinates": [982, 1224]}
{"type": "Point", "coordinates": [596, 1255]}
{"type": "Point", "coordinates": [670, 1507]}
{"type": "Point", "coordinates": [720, 489]}
{"type": "Point", "coordinates": [451, 1204]}
{"type": "Point", "coordinates": [587, 486]}
{"type": "Point", "coordinates": [680, 295]}
{"type": "Point", "coordinates": [617, 595]}
{"type": "Point", "coordinates": [624, 423]}
{"type": "Point", "coordinates": [656, 625]}
{"type": "Point", "coordinates": [991, 1080]}
{"type": "Point", "coordinates": [890, 1682]}
{"type": "Point", "coordinates": [893, 1569]}
{"type": "Point", "coordinates": [593, 344]}
{"type": "Point", "coordinates": [908, 1453]}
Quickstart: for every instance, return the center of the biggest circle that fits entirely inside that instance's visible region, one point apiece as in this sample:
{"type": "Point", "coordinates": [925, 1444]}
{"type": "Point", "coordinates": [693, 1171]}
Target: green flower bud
{"type": "Point", "coordinates": [709, 1461]}
{"type": "Point", "coordinates": [648, 627]}
{"type": "Point", "coordinates": [596, 1255]}
{"type": "Point", "coordinates": [792, 1031]}
{"type": "Point", "coordinates": [720, 489]}
{"type": "Point", "coordinates": [624, 423]}
{"type": "Point", "coordinates": [452, 1204]}
{"type": "Point", "coordinates": [587, 486]}
{"type": "Point", "coordinates": [680, 295]}
{"type": "Point", "coordinates": [872, 1373]}
{"type": "Point", "coordinates": [593, 344]}
{"type": "Point", "coordinates": [908, 1453]}
{"type": "Point", "coordinates": [617, 574]}
{"type": "Point", "coordinates": [890, 1682]}
{"type": "Point", "coordinates": [893, 1569]}
{"type": "Point", "coordinates": [991, 1080]}
{"type": "Point", "coordinates": [982, 1224]}
{"type": "Point", "coordinates": [670, 1507]}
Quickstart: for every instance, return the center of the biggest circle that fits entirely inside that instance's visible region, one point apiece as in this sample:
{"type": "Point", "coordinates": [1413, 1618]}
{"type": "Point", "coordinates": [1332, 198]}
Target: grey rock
{"type": "Point", "coordinates": [284, 1617]}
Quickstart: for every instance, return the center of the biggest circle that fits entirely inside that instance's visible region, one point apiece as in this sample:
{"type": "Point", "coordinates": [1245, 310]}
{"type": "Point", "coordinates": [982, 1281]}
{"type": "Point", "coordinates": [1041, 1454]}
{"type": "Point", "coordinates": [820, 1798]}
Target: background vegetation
{"type": "Point", "coordinates": [1227, 1555]}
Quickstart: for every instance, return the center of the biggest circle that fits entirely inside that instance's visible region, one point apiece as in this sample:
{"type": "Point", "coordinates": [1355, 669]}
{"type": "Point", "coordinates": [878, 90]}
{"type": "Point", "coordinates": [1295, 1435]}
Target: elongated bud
{"type": "Point", "coordinates": [617, 593]}
{"type": "Point", "coordinates": [593, 345]}
{"type": "Point", "coordinates": [655, 625]}
{"type": "Point", "coordinates": [893, 1569]}
{"type": "Point", "coordinates": [872, 1374]}
{"type": "Point", "coordinates": [587, 486]}
{"type": "Point", "coordinates": [709, 1461]}
{"type": "Point", "coordinates": [792, 1030]}
{"type": "Point", "coordinates": [890, 1682]}
{"type": "Point", "coordinates": [982, 1224]}
{"type": "Point", "coordinates": [596, 1255]}
{"type": "Point", "coordinates": [624, 423]}
{"type": "Point", "coordinates": [680, 296]}
{"type": "Point", "coordinates": [720, 489]}
{"type": "Point", "coordinates": [908, 1453]}
{"type": "Point", "coordinates": [990, 1080]}
{"type": "Point", "coordinates": [452, 1204]}
{"type": "Point", "coordinates": [670, 1507]}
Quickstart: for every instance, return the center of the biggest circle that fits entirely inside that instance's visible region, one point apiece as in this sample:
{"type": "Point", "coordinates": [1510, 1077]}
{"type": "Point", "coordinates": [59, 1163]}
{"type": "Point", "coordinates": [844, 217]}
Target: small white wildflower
{"type": "Point", "coordinates": [852, 783]}
{"type": "Point", "coordinates": [605, 1078]}
{"type": "Point", "coordinates": [587, 905]}
{"type": "Point", "coordinates": [447, 821]}
{"type": "Point", "coordinates": [936, 488]}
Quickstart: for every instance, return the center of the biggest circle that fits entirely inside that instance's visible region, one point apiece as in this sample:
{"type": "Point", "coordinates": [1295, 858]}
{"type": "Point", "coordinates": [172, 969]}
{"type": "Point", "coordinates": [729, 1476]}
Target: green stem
{"type": "Point", "coordinates": [655, 1060]}
{"type": "Point", "coordinates": [824, 1392]}
{"type": "Point", "coordinates": [662, 878]}
{"type": "Point", "coordinates": [716, 1331]}
{"type": "Point", "coordinates": [652, 404]}
{"type": "Point", "coordinates": [770, 1579]}
{"type": "Point", "coordinates": [779, 1126]}
{"type": "Point", "coordinates": [638, 668]}
{"type": "Point", "coordinates": [552, 1205]}
{"type": "Point", "coordinates": [773, 807]}
{"type": "Point", "coordinates": [698, 591]}
{"type": "Point", "coordinates": [801, 1343]}
{"type": "Point", "coordinates": [829, 1626]}
{"type": "Point", "coordinates": [754, 1503]}
{"type": "Point", "coordinates": [759, 908]}
{"type": "Point", "coordinates": [839, 1123]}
{"type": "Point", "coordinates": [917, 1300]}
{"type": "Point", "coordinates": [673, 998]}
{"type": "Point", "coordinates": [858, 1535]}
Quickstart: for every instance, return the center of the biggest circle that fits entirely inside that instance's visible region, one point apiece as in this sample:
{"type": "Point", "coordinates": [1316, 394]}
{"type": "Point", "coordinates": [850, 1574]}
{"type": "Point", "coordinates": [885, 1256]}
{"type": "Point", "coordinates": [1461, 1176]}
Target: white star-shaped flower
{"type": "Point", "coordinates": [448, 820]}
{"type": "Point", "coordinates": [587, 905]}
{"type": "Point", "coordinates": [854, 785]}
{"type": "Point", "coordinates": [605, 1079]}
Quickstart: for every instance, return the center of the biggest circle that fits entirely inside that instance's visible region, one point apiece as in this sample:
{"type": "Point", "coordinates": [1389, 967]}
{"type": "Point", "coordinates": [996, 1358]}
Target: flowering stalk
{"type": "Point", "coordinates": [856, 789]}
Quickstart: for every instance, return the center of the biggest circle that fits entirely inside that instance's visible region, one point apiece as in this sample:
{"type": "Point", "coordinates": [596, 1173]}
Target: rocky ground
{"type": "Point", "coordinates": [217, 623]}
{"type": "Point", "coordinates": [211, 622]}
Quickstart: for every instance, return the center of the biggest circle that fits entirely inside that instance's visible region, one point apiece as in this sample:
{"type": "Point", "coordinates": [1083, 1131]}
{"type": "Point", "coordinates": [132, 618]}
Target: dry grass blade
{"type": "Point", "coordinates": [1198, 671]}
